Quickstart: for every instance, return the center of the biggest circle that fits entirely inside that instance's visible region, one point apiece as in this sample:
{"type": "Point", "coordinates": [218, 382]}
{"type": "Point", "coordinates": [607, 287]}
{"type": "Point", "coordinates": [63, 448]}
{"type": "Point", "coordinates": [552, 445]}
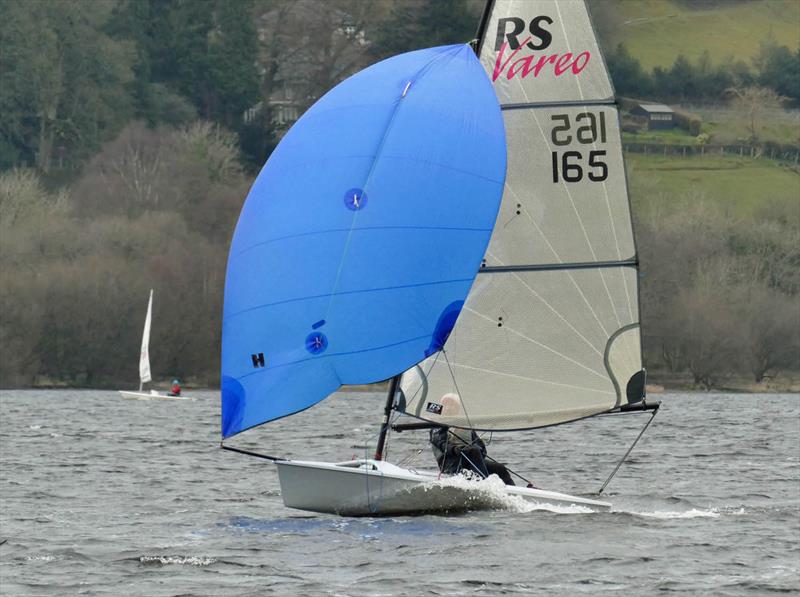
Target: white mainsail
{"type": "Point", "coordinates": [550, 330]}
{"type": "Point", "coordinates": [144, 357]}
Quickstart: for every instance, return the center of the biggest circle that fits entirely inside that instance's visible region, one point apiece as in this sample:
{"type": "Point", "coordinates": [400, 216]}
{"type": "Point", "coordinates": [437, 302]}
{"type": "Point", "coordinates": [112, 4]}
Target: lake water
{"type": "Point", "coordinates": [105, 496]}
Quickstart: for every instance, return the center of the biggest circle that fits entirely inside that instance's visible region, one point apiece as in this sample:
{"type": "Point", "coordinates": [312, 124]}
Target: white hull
{"type": "Point", "coordinates": [153, 395]}
{"type": "Point", "coordinates": [371, 487]}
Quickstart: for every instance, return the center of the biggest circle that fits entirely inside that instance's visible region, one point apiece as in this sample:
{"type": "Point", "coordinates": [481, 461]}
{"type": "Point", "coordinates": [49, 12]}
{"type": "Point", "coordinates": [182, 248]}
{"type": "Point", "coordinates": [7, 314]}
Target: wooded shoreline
{"type": "Point", "coordinates": [126, 172]}
{"type": "Point", "coordinates": [781, 384]}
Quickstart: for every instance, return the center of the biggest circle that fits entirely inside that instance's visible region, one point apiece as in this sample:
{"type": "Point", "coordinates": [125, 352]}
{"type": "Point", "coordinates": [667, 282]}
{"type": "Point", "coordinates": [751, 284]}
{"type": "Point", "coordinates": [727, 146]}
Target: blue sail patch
{"type": "Point", "coordinates": [362, 235]}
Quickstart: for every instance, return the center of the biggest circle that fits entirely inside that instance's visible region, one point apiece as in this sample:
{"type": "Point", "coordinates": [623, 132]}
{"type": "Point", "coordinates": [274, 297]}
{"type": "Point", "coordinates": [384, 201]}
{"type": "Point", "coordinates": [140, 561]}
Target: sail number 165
{"type": "Point", "coordinates": [570, 166]}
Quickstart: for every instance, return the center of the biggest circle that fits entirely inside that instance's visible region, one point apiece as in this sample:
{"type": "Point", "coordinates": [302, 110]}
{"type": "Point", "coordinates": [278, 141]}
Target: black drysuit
{"type": "Point", "coordinates": [454, 454]}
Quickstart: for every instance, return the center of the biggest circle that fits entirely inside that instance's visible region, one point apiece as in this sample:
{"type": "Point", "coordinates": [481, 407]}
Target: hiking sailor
{"type": "Point", "coordinates": [457, 449]}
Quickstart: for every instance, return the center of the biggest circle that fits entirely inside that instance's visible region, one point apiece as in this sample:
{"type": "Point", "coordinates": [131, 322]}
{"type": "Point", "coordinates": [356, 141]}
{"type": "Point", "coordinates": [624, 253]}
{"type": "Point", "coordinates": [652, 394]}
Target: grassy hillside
{"type": "Point", "coordinates": [657, 31]}
{"type": "Point", "coordinates": [740, 184]}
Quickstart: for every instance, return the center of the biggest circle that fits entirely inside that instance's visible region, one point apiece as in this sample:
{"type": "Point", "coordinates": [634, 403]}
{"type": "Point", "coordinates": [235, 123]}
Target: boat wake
{"type": "Point", "coordinates": [41, 558]}
{"type": "Point", "coordinates": [527, 506]}
{"type": "Point", "coordinates": [668, 515]}
{"type": "Point", "coordinates": [684, 514]}
{"type": "Point", "coordinates": [176, 560]}
{"type": "Point", "coordinates": [465, 494]}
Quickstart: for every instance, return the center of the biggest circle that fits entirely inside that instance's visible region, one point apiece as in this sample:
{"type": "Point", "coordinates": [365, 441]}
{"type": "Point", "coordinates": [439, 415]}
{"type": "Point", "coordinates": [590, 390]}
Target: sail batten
{"type": "Point", "coordinates": [551, 104]}
{"type": "Point", "coordinates": [533, 267]}
{"type": "Point", "coordinates": [550, 329]}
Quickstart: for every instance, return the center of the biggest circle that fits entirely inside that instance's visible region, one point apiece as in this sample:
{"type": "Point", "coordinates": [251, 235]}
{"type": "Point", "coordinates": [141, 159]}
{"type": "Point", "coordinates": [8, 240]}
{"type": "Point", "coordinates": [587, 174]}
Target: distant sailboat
{"type": "Point", "coordinates": [144, 365]}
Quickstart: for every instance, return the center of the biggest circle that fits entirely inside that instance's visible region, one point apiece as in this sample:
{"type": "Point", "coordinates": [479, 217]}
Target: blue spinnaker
{"type": "Point", "coordinates": [362, 235]}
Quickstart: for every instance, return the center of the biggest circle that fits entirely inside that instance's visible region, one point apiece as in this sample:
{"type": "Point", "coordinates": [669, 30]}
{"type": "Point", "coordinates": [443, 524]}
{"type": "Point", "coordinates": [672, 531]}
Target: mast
{"type": "Point", "coordinates": [479, 34]}
{"type": "Point", "coordinates": [387, 412]}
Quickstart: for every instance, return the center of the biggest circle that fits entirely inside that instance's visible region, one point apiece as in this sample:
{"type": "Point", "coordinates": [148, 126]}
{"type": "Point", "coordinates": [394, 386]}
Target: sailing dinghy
{"type": "Point", "coordinates": [144, 365]}
{"type": "Point", "coordinates": [356, 251]}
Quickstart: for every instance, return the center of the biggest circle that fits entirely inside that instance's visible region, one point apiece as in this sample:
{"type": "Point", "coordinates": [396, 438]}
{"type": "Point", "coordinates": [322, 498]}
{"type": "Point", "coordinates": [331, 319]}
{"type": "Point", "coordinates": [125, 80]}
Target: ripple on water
{"type": "Point", "coordinates": [707, 505]}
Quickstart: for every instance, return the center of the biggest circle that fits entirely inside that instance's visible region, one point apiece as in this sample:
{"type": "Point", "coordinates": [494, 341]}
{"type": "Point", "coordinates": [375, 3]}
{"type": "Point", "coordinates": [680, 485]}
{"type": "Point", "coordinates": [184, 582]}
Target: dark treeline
{"type": "Point", "coordinates": [75, 72]}
{"type": "Point", "coordinates": [131, 130]}
{"type": "Point", "coordinates": [776, 67]}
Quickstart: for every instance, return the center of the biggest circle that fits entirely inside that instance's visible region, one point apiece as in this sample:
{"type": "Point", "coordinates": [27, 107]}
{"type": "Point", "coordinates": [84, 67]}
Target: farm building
{"type": "Point", "coordinates": [658, 116]}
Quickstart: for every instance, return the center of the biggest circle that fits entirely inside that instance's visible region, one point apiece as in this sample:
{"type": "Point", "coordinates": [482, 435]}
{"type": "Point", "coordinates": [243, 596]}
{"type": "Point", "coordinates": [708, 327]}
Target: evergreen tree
{"type": "Point", "coordinates": [424, 23]}
{"type": "Point", "coordinates": [232, 54]}
{"type": "Point", "coordinates": [205, 50]}
{"type": "Point", "coordinates": [257, 139]}
{"type": "Point", "coordinates": [779, 68]}
{"type": "Point", "coordinates": [627, 74]}
{"type": "Point", "coordinates": [132, 21]}
{"type": "Point", "coordinates": [30, 80]}
{"type": "Point", "coordinates": [64, 81]}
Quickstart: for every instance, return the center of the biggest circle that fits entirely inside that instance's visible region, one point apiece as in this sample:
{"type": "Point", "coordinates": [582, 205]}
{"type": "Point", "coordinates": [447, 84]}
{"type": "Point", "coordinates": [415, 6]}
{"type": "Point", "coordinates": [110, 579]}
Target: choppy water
{"type": "Point", "coordinates": [104, 496]}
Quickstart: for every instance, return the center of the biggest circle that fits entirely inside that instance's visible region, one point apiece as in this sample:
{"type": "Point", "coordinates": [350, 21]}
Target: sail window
{"type": "Point", "coordinates": [316, 342]}
{"type": "Point", "coordinates": [355, 199]}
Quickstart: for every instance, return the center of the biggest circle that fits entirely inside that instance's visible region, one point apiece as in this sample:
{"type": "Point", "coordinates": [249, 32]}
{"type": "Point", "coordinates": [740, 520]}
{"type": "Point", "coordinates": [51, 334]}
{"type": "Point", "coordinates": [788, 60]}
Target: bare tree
{"type": "Point", "coordinates": [213, 147]}
{"type": "Point", "coordinates": [129, 175]}
{"type": "Point", "coordinates": [21, 325]}
{"type": "Point", "coordinates": [23, 198]}
{"type": "Point", "coordinates": [307, 47]}
{"type": "Point", "coordinates": [753, 102]}
{"type": "Point", "coordinates": [770, 326]}
{"type": "Point", "coordinates": [707, 322]}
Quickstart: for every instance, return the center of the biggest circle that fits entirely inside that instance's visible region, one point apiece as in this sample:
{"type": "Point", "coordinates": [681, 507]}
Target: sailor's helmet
{"type": "Point", "coordinates": [451, 405]}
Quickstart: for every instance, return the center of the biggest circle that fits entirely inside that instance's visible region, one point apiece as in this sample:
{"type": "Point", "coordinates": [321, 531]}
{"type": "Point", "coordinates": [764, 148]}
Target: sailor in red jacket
{"type": "Point", "coordinates": [176, 388]}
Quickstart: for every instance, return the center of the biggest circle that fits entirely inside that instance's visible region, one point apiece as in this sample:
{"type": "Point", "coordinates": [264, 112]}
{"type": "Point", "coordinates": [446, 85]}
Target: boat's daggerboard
{"type": "Point", "coordinates": [361, 236]}
{"type": "Point", "coordinates": [549, 332]}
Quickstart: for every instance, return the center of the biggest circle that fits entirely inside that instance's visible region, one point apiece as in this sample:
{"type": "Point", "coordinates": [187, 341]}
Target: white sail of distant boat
{"type": "Point", "coordinates": [144, 365]}
{"type": "Point", "coordinates": [548, 332]}
{"type": "Point", "coordinates": [144, 357]}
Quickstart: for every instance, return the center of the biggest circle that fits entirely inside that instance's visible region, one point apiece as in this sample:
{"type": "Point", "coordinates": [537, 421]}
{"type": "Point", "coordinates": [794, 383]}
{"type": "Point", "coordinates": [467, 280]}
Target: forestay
{"type": "Point", "coordinates": [361, 236]}
{"type": "Point", "coordinates": [550, 330]}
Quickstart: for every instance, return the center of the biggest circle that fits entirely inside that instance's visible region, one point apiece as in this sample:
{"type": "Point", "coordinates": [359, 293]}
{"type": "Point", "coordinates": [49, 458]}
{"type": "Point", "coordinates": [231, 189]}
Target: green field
{"type": "Point", "coordinates": [657, 31]}
{"type": "Point", "coordinates": [674, 136]}
{"type": "Point", "coordinates": [742, 186]}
